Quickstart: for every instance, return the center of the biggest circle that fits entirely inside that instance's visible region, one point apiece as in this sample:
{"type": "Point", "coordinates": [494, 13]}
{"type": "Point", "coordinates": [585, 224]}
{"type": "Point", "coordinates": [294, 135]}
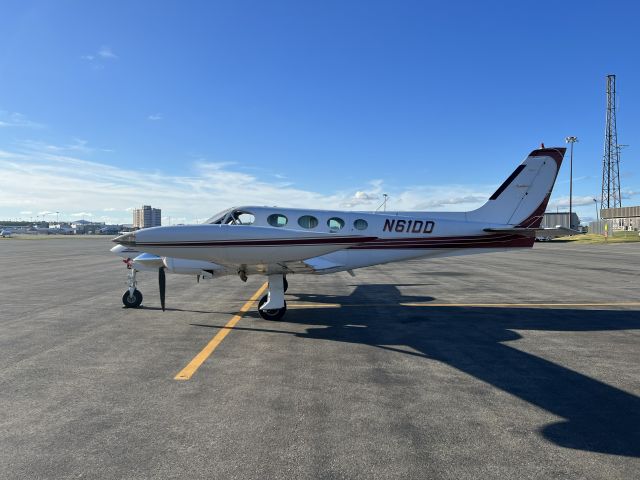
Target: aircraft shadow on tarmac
{"type": "Point", "coordinates": [598, 417]}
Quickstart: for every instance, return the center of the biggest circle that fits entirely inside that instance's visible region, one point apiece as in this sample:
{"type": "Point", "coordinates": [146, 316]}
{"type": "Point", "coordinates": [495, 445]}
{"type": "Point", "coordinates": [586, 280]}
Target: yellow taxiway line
{"type": "Point", "coordinates": [187, 372]}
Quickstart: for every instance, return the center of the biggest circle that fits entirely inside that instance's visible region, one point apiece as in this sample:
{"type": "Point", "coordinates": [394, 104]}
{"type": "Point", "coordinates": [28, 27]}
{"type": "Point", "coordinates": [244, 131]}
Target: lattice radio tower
{"type": "Point", "coordinates": [611, 160]}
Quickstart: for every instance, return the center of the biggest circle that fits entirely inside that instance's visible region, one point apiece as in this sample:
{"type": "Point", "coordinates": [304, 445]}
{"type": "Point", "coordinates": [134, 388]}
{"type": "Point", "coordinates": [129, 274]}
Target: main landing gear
{"type": "Point", "coordinates": [132, 298]}
{"type": "Point", "coordinates": [273, 305]}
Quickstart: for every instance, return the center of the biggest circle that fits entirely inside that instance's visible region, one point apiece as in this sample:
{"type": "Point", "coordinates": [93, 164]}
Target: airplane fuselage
{"type": "Point", "coordinates": [335, 240]}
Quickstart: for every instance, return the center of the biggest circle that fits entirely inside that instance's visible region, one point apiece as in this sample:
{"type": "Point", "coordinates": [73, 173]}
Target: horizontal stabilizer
{"type": "Point", "coordinates": [525, 232]}
{"type": "Point", "coordinates": [557, 232]}
{"type": "Point", "coordinates": [536, 232]}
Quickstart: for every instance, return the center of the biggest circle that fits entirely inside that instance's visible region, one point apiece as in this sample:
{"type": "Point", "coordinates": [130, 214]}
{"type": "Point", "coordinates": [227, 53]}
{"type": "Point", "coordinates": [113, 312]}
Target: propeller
{"type": "Point", "coordinates": [162, 282]}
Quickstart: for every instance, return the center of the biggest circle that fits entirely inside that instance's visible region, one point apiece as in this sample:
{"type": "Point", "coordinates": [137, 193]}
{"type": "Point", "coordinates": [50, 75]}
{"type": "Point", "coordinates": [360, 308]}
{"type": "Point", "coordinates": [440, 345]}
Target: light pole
{"type": "Point", "coordinates": [571, 140]}
{"type": "Point", "coordinates": [597, 213]}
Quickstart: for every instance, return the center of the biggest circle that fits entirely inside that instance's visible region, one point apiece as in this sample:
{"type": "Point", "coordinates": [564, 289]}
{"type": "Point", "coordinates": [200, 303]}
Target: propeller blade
{"type": "Point", "coordinates": [162, 281]}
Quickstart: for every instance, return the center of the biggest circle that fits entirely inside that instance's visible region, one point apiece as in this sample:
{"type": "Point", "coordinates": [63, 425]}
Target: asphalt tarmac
{"type": "Point", "coordinates": [510, 365]}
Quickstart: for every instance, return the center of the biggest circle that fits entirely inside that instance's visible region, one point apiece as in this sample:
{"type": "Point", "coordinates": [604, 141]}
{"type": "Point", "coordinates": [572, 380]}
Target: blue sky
{"type": "Point", "coordinates": [195, 106]}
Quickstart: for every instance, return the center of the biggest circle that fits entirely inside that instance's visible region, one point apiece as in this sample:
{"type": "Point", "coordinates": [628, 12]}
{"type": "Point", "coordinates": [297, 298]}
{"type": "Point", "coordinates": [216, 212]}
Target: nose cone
{"type": "Point", "coordinates": [126, 239]}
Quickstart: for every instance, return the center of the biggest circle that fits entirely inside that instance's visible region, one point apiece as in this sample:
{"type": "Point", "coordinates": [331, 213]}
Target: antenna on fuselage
{"type": "Point", "coordinates": [383, 205]}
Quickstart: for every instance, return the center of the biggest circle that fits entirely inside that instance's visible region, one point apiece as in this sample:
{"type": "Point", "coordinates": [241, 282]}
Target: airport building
{"type": "Point", "coordinates": [560, 219]}
{"type": "Point", "coordinates": [622, 218]}
{"type": "Point", "coordinates": [146, 217]}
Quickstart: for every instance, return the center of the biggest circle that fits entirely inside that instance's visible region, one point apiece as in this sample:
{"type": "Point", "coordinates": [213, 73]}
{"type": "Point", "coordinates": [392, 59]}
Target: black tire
{"type": "Point", "coordinates": [132, 302]}
{"type": "Point", "coordinates": [285, 284]}
{"type": "Point", "coordinates": [275, 314]}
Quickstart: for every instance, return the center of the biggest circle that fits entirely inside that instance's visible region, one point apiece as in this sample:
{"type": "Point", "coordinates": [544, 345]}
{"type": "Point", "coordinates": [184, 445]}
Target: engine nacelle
{"type": "Point", "coordinates": [191, 267]}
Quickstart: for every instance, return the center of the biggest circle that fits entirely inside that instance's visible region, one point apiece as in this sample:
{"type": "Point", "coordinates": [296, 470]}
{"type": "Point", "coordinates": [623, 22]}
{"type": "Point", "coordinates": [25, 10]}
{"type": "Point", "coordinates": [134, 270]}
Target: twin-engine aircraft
{"type": "Point", "coordinates": [277, 242]}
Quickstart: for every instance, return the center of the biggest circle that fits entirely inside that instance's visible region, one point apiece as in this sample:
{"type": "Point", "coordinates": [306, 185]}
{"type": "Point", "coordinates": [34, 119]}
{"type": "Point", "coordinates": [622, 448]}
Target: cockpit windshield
{"type": "Point", "coordinates": [232, 217]}
{"type": "Point", "coordinates": [219, 217]}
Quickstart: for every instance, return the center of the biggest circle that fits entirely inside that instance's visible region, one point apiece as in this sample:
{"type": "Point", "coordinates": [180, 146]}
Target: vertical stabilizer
{"type": "Point", "coordinates": [523, 197]}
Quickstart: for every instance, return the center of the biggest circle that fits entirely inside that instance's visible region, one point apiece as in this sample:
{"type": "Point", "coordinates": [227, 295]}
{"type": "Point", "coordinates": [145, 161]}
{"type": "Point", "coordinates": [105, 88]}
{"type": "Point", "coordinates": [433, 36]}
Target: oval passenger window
{"type": "Point", "coordinates": [277, 220]}
{"type": "Point", "coordinates": [360, 224]}
{"type": "Point", "coordinates": [307, 221]}
{"type": "Point", "coordinates": [335, 224]}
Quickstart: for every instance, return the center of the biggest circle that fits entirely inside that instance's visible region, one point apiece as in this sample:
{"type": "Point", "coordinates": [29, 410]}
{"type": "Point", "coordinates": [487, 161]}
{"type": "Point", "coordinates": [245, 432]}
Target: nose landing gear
{"type": "Point", "coordinates": [132, 298]}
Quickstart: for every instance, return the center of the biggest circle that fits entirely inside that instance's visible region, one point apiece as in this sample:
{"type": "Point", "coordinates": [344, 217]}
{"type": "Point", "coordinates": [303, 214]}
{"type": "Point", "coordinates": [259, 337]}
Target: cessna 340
{"type": "Point", "coordinates": [277, 242]}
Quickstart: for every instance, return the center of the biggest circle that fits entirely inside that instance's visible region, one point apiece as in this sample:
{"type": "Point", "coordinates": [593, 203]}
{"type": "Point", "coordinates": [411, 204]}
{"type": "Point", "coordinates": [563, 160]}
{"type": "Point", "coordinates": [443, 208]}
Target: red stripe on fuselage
{"type": "Point", "coordinates": [259, 243]}
{"type": "Point", "coordinates": [476, 241]}
{"type": "Point", "coordinates": [368, 243]}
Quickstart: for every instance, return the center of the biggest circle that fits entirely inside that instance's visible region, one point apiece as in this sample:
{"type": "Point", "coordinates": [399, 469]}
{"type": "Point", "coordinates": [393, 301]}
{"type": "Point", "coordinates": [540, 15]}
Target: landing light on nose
{"type": "Point", "coordinates": [126, 239]}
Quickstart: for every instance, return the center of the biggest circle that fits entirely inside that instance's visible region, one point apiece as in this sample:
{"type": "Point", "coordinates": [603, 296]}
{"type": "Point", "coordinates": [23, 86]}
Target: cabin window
{"type": "Point", "coordinates": [277, 220]}
{"type": "Point", "coordinates": [308, 221]}
{"type": "Point", "coordinates": [360, 224]}
{"type": "Point", "coordinates": [335, 224]}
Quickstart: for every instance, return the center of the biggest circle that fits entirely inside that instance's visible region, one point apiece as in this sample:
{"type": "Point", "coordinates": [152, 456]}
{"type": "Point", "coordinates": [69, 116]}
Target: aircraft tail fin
{"type": "Point", "coordinates": [523, 197]}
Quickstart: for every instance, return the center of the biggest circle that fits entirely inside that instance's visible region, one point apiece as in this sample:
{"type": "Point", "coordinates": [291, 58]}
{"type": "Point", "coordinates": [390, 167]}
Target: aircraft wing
{"type": "Point", "coordinates": [322, 265]}
{"type": "Point", "coordinates": [319, 265]}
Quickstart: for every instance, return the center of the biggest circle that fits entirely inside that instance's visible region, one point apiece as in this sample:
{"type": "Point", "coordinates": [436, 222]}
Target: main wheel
{"type": "Point", "coordinates": [271, 314]}
{"type": "Point", "coordinates": [132, 301]}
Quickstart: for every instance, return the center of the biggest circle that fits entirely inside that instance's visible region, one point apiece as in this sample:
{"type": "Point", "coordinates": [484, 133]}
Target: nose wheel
{"type": "Point", "coordinates": [132, 300]}
{"type": "Point", "coordinates": [132, 297]}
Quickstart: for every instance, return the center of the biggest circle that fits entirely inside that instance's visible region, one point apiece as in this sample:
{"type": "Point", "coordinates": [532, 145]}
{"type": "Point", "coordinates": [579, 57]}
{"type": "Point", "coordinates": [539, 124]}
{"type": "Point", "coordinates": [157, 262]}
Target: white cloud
{"type": "Point", "coordinates": [361, 198]}
{"type": "Point", "coordinates": [106, 52]}
{"type": "Point", "coordinates": [48, 179]}
{"type": "Point", "coordinates": [364, 196]}
{"type": "Point", "coordinates": [17, 120]}
{"type": "Point", "coordinates": [469, 199]}
{"type": "Point", "coordinates": [578, 201]}
{"type": "Point", "coordinates": [76, 146]}
{"type": "Point", "coordinates": [97, 60]}
{"type": "Point", "coordinates": [82, 214]}
{"type": "Point", "coordinates": [155, 117]}
{"type": "Point", "coordinates": [26, 212]}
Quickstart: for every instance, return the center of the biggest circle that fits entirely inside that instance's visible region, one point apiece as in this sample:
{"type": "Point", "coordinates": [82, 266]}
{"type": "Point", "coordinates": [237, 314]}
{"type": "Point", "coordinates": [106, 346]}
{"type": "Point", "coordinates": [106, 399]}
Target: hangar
{"type": "Point", "coordinates": [622, 218]}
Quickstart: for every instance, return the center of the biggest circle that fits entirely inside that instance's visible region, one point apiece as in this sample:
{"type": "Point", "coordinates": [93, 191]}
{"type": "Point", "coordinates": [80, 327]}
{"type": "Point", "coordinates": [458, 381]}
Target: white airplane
{"type": "Point", "coordinates": [6, 232]}
{"type": "Point", "coordinates": [277, 242]}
